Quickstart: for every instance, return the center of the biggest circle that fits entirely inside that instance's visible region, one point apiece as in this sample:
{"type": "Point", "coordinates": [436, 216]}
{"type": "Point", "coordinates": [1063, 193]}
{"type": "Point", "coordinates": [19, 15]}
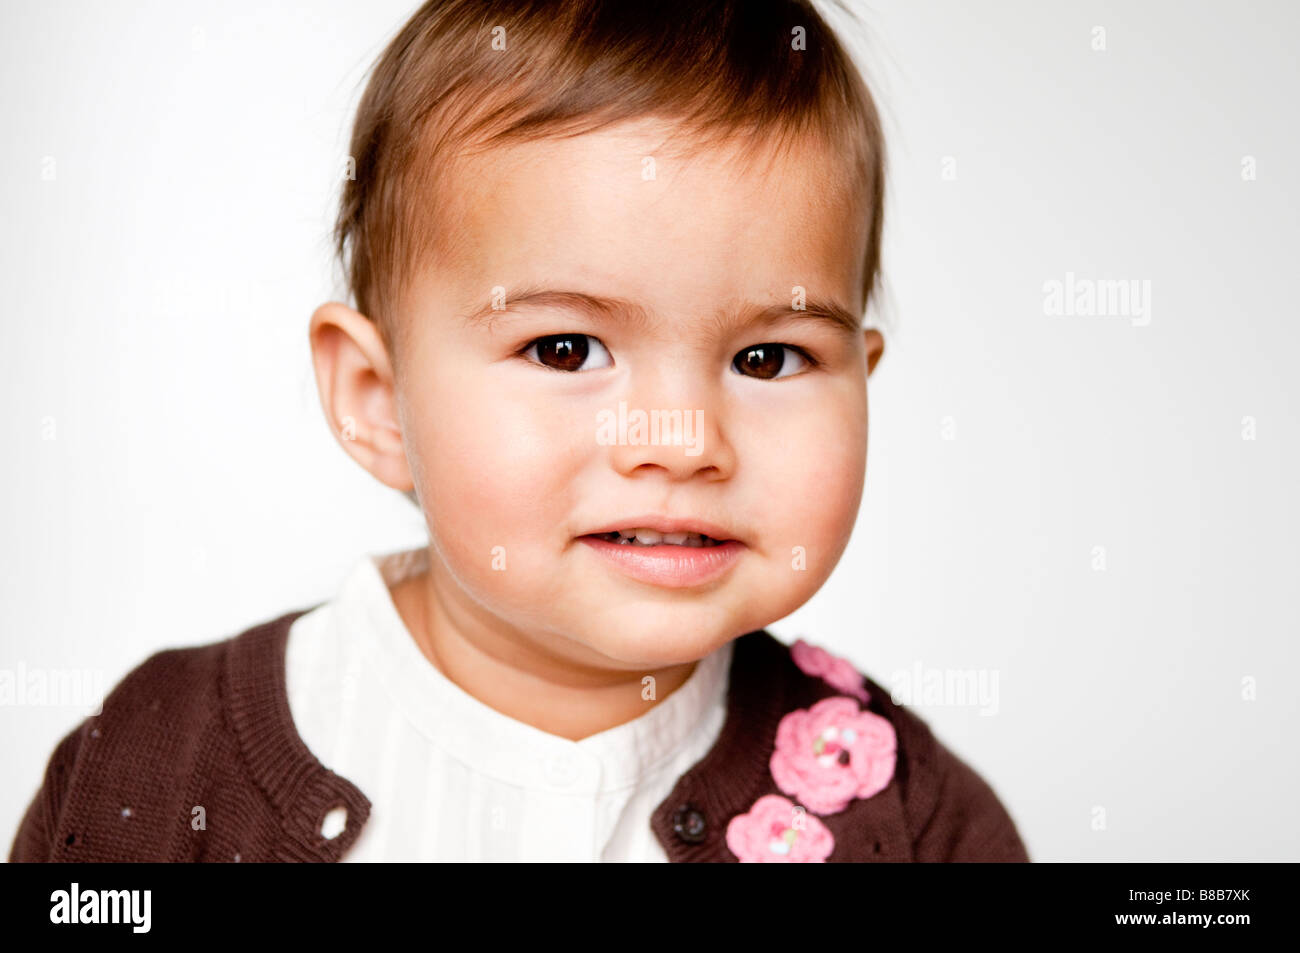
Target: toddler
{"type": "Point", "coordinates": [608, 266]}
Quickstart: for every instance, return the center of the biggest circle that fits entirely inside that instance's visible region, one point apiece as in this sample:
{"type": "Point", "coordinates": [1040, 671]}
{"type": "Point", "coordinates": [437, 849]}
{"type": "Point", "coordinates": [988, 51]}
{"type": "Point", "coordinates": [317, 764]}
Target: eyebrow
{"type": "Point", "coordinates": [825, 311]}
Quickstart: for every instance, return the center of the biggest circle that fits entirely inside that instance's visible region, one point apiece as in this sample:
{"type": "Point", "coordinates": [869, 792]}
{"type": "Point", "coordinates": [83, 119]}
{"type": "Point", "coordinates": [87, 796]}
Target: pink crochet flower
{"type": "Point", "coordinates": [837, 672]}
{"type": "Point", "coordinates": [831, 753]}
{"type": "Point", "coordinates": [776, 832]}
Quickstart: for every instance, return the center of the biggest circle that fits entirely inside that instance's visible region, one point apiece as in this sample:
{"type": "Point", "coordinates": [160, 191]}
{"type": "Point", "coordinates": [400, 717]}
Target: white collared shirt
{"type": "Point", "coordinates": [451, 779]}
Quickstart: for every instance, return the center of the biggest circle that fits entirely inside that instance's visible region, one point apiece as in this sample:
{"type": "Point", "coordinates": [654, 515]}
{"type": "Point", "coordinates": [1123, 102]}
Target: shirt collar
{"type": "Point", "coordinates": [492, 743]}
{"type": "Point", "coordinates": [691, 824]}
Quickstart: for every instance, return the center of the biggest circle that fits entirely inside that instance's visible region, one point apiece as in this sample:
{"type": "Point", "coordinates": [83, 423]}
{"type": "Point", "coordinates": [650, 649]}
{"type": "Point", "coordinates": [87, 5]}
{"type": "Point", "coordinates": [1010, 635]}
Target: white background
{"type": "Point", "coordinates": [157, 291]}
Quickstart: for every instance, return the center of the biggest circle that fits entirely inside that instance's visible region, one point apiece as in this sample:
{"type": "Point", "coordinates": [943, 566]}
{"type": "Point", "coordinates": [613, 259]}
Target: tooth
{"type": "Point", "coordinates": [642, 536]}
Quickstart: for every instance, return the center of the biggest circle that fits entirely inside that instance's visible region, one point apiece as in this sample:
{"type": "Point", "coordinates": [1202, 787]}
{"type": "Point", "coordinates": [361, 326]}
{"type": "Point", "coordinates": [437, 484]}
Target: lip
{"type": "Point", "coordinates": [668, 524]}
{"type": "Point", "coordinates": [675, 567]}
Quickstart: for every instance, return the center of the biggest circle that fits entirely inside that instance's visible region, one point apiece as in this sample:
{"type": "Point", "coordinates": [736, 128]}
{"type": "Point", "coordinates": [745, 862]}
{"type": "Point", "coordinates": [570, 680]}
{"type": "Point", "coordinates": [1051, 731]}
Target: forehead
{"type": "Point", "coordinates": [637, 211]}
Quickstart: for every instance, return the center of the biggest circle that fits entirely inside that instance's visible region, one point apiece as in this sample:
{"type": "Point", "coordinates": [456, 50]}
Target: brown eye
{"type": "Point", "coordinates": [569, 352]}
{"type": "Point", "coordinates": [767, 361]}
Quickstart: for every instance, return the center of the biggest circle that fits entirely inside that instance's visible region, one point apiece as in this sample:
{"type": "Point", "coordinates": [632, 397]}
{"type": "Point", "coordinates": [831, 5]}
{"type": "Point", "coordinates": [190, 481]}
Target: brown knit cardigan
{"type": "Point", "coordinates": [195, 758]}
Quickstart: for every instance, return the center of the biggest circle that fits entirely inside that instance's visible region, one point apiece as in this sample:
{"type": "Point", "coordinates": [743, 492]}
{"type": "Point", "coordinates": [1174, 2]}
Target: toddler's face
{"type": "Point", "coordinates": [644, 273]}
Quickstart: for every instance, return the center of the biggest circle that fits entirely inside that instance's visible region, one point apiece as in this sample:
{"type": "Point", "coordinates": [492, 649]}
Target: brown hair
{"type": "Point", "coordinates": [466, 74]}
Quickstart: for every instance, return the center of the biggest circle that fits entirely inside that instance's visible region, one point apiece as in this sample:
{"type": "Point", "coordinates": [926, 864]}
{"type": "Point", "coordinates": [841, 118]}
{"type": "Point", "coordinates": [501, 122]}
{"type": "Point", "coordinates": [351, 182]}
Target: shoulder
{"type": "Point", "coordinates": [948, 811]}
{"type": "Point", "coordinates": [155, 731]}
{"type": "Point", "coordinates": [180, 689]}
{"type": "Point", "coordinates": [953, 813]}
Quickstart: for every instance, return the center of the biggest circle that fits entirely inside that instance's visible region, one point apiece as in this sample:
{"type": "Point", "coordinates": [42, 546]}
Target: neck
{"type": "Point", "coordinates": [523, 678]}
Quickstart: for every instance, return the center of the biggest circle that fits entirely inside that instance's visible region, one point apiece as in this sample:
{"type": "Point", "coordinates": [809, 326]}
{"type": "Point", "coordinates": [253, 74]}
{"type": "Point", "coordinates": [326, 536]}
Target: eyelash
{"type": "Point", "coordinates": [812, 362]}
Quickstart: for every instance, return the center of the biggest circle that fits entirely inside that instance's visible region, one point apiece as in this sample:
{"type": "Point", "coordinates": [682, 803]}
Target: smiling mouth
{"type": "Point", "coordinates": [680, 560]}
{"type": "Point", "coordinates": [646, 538]}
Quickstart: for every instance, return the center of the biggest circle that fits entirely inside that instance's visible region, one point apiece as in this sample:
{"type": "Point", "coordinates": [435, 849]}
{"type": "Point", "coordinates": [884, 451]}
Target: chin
{"type": "Point", "coordinates": [657, 636]}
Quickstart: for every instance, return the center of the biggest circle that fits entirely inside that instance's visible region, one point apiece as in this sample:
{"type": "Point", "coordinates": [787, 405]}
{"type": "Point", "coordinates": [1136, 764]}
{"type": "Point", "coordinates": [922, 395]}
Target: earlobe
{"type": "Point", "coordinates": [357, 392]}
{"type": "Point", "coordinates": [875, 344]}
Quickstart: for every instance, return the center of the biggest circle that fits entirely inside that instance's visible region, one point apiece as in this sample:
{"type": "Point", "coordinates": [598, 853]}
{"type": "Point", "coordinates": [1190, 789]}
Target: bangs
{"type": "Point", "coordinates": [463, 76]}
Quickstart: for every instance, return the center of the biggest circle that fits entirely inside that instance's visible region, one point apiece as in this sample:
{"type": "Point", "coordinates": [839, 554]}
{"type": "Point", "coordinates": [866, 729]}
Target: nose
{"type": "Point", "coordinates": [682, 439]}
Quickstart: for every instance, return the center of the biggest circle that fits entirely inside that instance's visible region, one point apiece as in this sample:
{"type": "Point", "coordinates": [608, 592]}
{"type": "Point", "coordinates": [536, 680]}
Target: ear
{"type": "Point", "coordinates": [875, 348]}
{"type": "Point", "coordinates": [355, 380]}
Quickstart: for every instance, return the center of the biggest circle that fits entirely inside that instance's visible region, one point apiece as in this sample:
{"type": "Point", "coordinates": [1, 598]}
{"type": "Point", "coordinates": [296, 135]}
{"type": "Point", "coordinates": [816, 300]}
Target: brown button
{"type": "Point", "coordinates": [689, 824]}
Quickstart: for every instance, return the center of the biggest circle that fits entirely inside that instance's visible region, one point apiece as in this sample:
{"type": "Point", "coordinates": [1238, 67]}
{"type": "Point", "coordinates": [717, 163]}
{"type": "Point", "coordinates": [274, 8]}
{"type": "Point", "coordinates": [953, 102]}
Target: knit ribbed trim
{"type": "Point", "coordinates": [301, 789]}
{"type": "Point", "coordinates": [765, 685]}
{"type": "Point", "coordinates": [734, 773]}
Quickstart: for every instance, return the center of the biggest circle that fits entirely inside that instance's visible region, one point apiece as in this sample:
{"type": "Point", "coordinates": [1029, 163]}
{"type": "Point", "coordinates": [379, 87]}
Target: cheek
{"type": "Point", "coordinates": [816, 464]}
{"type": "Point", "coordinates": [490, 470]}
